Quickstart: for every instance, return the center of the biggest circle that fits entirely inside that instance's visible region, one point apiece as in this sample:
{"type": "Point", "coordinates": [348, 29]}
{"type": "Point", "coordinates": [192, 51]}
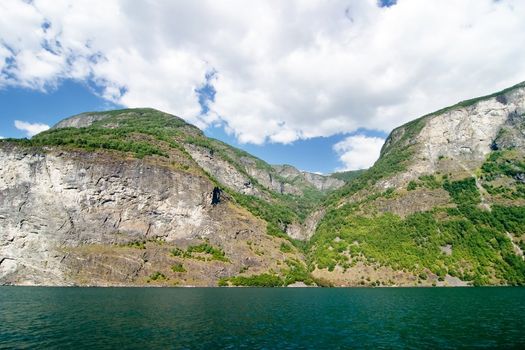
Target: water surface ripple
{"type": "Point", "coordinates": [231, 318]}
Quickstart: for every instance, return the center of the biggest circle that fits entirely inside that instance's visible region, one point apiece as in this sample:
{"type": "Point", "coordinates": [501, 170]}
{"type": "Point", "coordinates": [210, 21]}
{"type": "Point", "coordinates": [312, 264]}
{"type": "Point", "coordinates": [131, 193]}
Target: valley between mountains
{"type": "Point", "coordinates": [138, 197]}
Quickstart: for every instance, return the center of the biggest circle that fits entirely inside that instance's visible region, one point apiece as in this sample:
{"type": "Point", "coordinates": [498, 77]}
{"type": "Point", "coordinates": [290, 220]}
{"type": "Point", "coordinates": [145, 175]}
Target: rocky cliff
{"type": "Point", "coordinates": [102, 199]}
{"type": "Point", "coordinates": [443, 205]}
{"type": "Point", "coordinates": [460, 137]}
{"type": "Point", "coordinates": [139, 197]}
{"type": "Point", "coordinates": [74, 217]}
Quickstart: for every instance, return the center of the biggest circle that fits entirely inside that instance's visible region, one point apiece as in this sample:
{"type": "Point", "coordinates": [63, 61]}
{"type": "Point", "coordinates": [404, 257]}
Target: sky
{"type": "Point", "coordinates": [311, 83]}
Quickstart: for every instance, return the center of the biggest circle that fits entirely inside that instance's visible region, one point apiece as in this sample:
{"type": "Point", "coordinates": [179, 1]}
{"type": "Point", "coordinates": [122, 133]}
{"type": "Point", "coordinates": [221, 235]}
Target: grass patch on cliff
{"type": "Point", "coordinates": [285, 248]}
{"type": "Point", "coordinates": [137, 244]}
{"type": "Point", "coordinates": [121, 131]}
{"type": "Point", "coordinates": [203, 251]}
{"type": "Point", "coordinates": [141, 244]}
{"type": "Point", "coordinates": [96, 138]}
{"type": "Point", "coordinates": [157, 276]}
{"type": "Point", "coordinates": [205, 248]}
{"type": "Point", "coordinates": [425, 181]}
{"type": "Point", "coordinates": [179, 253]}
{"type": "Point", "coordinates": [296, 271]}
{"type": "Point", "coordinates": [178, 268]}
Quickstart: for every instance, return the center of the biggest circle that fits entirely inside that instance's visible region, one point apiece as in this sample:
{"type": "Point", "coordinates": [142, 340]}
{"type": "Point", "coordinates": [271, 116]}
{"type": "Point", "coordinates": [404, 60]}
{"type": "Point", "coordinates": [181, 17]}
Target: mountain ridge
{"type": "Point", "coordinates": [140, 197]}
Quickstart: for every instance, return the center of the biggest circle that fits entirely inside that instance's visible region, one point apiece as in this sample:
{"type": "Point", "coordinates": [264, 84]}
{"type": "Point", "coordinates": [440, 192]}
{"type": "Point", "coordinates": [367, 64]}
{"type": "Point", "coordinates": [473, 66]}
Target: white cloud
{"type": "Point", "coordinates": [30, 129]}
{"type": "Point", "coordinates": [285, 70]}
{"type": "Point", "coordinates": [358, 151]}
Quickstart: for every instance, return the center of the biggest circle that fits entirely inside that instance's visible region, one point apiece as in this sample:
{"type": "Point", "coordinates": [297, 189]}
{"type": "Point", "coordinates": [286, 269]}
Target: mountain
{"type": "Point", "coordinates": [140, 197]}
{"type": "Point", "coordinates": [444, 204]}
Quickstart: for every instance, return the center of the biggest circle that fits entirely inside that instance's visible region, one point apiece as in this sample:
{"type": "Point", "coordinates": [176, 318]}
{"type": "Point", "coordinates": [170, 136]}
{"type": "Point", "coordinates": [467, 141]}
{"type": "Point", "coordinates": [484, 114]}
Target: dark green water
{"type": "Point", "coordinates": [261, 318]}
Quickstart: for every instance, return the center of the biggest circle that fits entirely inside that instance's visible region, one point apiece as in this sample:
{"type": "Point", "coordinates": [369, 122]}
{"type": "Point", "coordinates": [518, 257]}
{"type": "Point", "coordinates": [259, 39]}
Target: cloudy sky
{"type": "Point", "coordinates": [318, 84]}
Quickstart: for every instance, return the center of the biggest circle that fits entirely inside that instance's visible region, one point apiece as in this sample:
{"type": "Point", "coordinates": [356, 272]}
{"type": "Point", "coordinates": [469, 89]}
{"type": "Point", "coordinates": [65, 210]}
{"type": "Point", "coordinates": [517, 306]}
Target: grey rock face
{"type": "Point", "coordinates": [461, 138]}
{"type": "Point", "coordinates": [320, 182]}
{"type": "Point", "coordinates": [222, 170]}
{"type": "Point", "coordinates": [282, 179]}
{"type": "Point", "coordinates": [53, 200]}
{"type": "Point", "coordinates": [323, 183]}
{"type": "Point", "coordinates": [512, 133]}
{"type": "Point", "coordinates": [305, 231]}
{"type": "Point", "coordinates": [468, 133]}
{"type": "Point", "coordinates": [80, 121]}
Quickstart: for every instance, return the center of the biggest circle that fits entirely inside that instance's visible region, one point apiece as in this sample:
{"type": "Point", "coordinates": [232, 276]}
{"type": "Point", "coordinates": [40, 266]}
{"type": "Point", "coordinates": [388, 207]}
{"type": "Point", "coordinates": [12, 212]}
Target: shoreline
{"type": "Point", "coordinates": [251, 287]}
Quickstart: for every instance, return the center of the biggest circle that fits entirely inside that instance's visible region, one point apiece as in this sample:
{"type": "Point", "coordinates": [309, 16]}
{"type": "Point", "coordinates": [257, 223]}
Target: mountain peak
{"type": "Point", "coordinates": [87, 119]}
{"type": "Point", "coordinates": [459, 138]}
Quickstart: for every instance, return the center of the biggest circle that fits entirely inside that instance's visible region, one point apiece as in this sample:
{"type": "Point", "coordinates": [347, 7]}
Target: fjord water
{"type": "Point", "coordinates": [39, 317]}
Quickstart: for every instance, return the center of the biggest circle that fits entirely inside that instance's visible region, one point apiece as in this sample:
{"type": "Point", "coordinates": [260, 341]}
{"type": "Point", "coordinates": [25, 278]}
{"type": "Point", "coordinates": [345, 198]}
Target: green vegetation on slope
{"type": "Point", "coordinates": [425, 181]}
{"type": "Point", "coordinates": [140, 132]}
{"type": "Point", "coordinates": [480, 247]}
{"type": "Point", "coordinates": [202, 251]}
{"type": "Point", "coordinates": [395, 157]}
{"type": "Point", "coordinates": [206, 248]}
{"type": "Point", "coordinates": [506, 165]}
{"type": "Point", "coordinates": [348, 176]}
{"type": "Point", "coordinates": [97, 138]}
{"type": "Point", "coordinates": [262, 280]}
{"type": "Point", "coordinates": [281, 210]}
{"type": "Point", "coordinates": [178, 268]}
{"type": "Point", "coordinates": [295, 271]}
{"type": "Point", "coordinates": [463, 192]}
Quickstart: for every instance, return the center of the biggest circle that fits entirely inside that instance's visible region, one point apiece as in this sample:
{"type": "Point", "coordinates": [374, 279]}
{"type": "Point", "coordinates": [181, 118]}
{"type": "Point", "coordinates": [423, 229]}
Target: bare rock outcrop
{"type": "Point", "coordinates": [459, 138]}
{"type": "Point", "coordinates": [64, 215]}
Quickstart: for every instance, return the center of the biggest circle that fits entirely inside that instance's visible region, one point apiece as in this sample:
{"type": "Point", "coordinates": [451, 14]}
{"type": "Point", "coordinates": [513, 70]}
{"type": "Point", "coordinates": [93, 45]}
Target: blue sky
{"type": "Point", "coordinates": [34, 106]}
{"type": "Point", "coordinates": [70, 98]}
{"type": "Point", "coordinates": [320, 91]}
{"type": "Point", "coordinates": [387, 3]}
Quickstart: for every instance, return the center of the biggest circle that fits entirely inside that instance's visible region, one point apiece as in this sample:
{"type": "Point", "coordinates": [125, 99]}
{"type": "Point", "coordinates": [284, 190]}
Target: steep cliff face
{"type": "Point", "coordinates": [139, 197]}
{"type": "Point", "coordinates": [298, 193]}
{"type": "Point", "coordinates": [224, 171]}
{"type": "Point", "coordinates": [243, 173]}
{"type": "Point", "coordinates": [92, 218]}
{"type": "Point", "coordinates": [232, 167]}
{"type": "Point", "coordinates": [320, 182]}
{"type": "Point", "coordinates": [459, 138]}
{"type": "Point", "coordinates": [134, 197]}
{"type": "Point", "coordinates": [444, 204]}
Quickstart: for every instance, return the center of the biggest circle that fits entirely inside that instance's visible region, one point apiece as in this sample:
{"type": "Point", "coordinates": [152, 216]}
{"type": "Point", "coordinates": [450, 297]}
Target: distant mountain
{"type": "Point", "coordinates": [140, 197]}
{"type": "Point", "coordinates": [349, 175]}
